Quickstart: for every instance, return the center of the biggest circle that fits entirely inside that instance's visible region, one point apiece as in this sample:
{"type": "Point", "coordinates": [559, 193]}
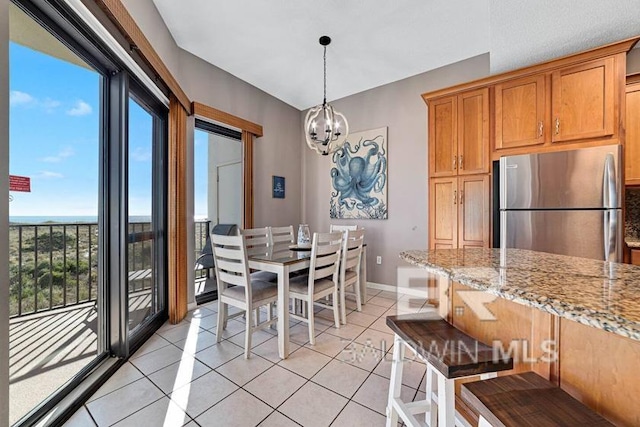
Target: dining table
{"type": "Point", "coordinates": [283, 262]}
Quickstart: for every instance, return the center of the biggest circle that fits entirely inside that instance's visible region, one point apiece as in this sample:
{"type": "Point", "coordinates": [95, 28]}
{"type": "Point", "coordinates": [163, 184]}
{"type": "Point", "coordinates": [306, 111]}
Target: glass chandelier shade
{"type": "Point", "coordinates": [326, 129]}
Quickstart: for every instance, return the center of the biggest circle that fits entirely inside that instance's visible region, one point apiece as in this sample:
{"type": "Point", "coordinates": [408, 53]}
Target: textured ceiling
{"type": "Point", "coordinates": [274, 44]}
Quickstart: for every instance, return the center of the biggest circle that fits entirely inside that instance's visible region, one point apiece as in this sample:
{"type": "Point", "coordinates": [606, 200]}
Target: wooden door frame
{"type": "Point", "coordinates": [250, 131]}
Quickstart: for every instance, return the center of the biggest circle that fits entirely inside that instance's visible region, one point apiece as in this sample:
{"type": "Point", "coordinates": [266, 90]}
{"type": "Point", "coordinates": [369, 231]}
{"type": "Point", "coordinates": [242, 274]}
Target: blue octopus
{"type": "Point", "coordinates": [354, 178]}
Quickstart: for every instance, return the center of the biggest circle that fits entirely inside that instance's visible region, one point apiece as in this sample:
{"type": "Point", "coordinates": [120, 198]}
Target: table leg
{"type": "Point", "coordinates": [363, 276]}
{"type": "Point", "coordinates": [283, 312]}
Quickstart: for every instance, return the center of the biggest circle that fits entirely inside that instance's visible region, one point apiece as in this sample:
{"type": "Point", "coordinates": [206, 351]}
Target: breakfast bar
{"type": "Point", "coordinates": [574, 321]}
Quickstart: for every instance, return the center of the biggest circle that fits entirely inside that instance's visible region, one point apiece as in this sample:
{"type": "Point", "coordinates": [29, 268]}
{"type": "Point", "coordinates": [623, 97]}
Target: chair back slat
{"type": "Point", "coordinates": [257, 240]}
{"type": "Point", "coordinates": [282, 237]}
{"type": "Point", "coordinates": [336, 227]}
{"type": "Point", "coordinates": [352, 251]}
{"type": "Point", "coordinates": [230, 262]}
{"type": "Point", "coordinates": [325, 257]}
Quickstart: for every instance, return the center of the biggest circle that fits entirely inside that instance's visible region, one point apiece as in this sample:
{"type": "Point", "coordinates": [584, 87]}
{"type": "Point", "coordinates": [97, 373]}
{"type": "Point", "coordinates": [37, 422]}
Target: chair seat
{"type": "Point", "coordinates": [264, 276]}
{"type": "Point", "coordinates": [300, 285]}
{"type": "Point", "coordinates": [259, 291]}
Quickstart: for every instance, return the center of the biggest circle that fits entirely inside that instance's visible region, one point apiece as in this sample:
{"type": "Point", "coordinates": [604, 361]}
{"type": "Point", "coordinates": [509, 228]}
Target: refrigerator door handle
{"type": "Point", "coordinates": [609, 191]}
{"type": "Point", "coordinates": [610, 235]}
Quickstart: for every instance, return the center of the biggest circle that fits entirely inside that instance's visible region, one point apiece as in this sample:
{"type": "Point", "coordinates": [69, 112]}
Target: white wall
{"type": "Point", "coordinates": [400, 107]}
{"type": "Point", "coordinates": [4, 213]}
{"type": "Point", "coordinates": [221, 151]}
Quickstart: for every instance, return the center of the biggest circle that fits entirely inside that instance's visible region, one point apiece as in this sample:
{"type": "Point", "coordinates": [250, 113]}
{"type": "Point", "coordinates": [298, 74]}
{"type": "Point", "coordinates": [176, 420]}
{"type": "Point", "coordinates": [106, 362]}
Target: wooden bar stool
{"type": "Point", "coordinates": [449, 354]}
{"type": "Point", "coordinates": [527, 400]}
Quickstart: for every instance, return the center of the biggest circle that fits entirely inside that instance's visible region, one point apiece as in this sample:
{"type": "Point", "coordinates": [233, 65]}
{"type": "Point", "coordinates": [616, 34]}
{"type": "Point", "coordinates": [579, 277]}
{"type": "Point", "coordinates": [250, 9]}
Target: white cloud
{"type": "Point", "coordinates": [141, 154]}
{"type": "Point", "coordinates": [49, 175]}
{"type": "Point", "coordinates": [80, 108]}
{"type": "Point", "coordinates": [20, 98]}
{"type": "Point", "coordinates": [49, 104]}
{"type": "Point", "coordinates": [62, 154]}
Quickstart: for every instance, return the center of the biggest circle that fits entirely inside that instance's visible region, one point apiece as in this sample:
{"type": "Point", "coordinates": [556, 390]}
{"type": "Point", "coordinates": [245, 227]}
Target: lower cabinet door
{"type": "Point", "coordinates": [473, 211]}
{"type": "Point", "coordinates": [443, 213]}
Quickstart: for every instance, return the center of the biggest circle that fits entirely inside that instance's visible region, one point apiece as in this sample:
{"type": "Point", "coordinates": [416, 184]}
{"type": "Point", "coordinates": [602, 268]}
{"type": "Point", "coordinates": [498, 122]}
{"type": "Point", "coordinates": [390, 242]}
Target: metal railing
{"type": "Point", "coordinates": [55, 265]}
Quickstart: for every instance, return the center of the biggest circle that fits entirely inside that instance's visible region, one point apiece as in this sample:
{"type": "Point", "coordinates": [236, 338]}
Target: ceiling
{"type": "Point", "coordinates": [273, 45]}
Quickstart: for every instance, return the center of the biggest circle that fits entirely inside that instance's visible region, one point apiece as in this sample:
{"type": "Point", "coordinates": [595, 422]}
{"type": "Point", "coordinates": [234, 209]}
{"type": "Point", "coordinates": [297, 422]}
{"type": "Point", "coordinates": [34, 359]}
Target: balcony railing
{"type": "Point", "coordinates": [55, 265]}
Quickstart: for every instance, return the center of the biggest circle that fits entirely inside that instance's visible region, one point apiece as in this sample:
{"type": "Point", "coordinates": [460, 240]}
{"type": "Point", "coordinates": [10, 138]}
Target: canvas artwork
{"type": "Point", "coordinates": [359, 176]}
{"type": "Point", "coordinates": [278, 187]}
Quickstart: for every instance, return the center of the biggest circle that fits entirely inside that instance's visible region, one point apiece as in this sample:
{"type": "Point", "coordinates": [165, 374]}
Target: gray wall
{"type": "Point", "coordinates": [399, 107]}
{"type": "Point", "coordinates": [4, 213]}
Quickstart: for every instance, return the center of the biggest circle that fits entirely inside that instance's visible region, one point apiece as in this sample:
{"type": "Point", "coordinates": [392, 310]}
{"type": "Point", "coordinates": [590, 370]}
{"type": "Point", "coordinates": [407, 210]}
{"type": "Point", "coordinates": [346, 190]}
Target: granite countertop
{"type": "Point", "coordinates": [632, 242]}
{"type": "Point", "coordinates": [596, 293]}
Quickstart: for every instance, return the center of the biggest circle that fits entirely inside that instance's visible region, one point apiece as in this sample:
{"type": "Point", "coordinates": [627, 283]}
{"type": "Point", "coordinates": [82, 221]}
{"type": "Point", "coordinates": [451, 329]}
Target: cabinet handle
{"type": "Point", "coordinates": [454, 162]}
{"type": "Point", "coordinates": [455, 197]}
{"type": "Point", "coordinates": [540, 128]}
{"type": "Point", "coordinates": [461, 162]}
{"type": "Point", "coordinates": [461, 197]}
{"type": "Point", "coordinates": [557, 125]}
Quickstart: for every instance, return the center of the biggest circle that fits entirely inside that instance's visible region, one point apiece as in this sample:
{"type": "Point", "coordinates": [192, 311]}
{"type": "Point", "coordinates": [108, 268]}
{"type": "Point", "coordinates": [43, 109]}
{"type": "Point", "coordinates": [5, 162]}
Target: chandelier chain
{"type": "Point", "coordinates": [325, 75]}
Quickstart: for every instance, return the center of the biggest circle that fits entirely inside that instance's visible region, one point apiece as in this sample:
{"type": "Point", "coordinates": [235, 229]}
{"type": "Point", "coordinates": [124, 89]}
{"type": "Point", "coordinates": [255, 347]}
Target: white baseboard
{"type": "Point", "coordinates": [395, 289]}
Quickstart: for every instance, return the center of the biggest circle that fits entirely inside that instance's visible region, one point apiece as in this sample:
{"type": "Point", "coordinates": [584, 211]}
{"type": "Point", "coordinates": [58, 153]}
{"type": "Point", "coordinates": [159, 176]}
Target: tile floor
{"type": "Point", "coordinates": [182, 377]}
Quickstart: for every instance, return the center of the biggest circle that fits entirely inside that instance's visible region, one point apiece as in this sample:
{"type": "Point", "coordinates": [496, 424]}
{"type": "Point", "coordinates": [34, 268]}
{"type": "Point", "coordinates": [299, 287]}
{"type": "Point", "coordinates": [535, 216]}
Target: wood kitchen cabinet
{"type": "Point", "coordinates": [459, 134]}
{"type": "Point", "coordinates": [632, 143]}
{"type": "Point", "coordinates": [520, 112]}
{"type": "Point", "coordinates": [459, 212]}
{"type": "Point", "coordinates": [583, 100]}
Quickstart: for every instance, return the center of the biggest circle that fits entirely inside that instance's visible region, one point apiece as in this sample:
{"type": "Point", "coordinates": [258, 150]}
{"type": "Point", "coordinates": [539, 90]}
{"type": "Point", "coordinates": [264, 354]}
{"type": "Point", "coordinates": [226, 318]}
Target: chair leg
{"type": "Point", "coordinates": [336, 309]}
{"type": "Point", "coordinates": [446, 402]}
{"type": "Point", "coordinates": [356, 288]}
{"type": "Point", "coordinates": [395, 383]}
{"type": "Point", "coordinates": [343, 305]}
{"type": "Point", "coordinates": [270, 313]}
{"type": "Point", "coordinates": [432, 381]}
{"type": "Point", "coordinates": [310, 320]}
{"type": "Point", "coordinates": [225, 312]}
{"type": "Point", "coordinates": [247, 334]}
{"type": "Point", "coordinates": [221, 320]}
{"type": "Point", "coordinates": [257, 316]}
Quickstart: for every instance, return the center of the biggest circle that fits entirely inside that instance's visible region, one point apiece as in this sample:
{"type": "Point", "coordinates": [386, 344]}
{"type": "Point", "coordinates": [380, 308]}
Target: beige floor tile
{"type": "Point", "coordinates": [341, 378]}
{"type": "Point", "coordinates": [305, 362]}
{"type": "Point", "coordinates": [329, 345]}
{"type": "Point", "coordinates": [373, 310]}
{"type": "Point", "coordinates": [234, 411]}
{"type": "Point", "coordinates": [374, 393]}
{"type": "Point", "coordinates": [203, 340]}
{"type": "Point", "coordinates": [356, 415]}
{"type": "Point", "coordinates": [348, 331]}
{"type": "Point", "coordinates": [209, 323]}
{"type": "Point", "coordinates": [81, 418]}
{"type": "Point", "coordinates": [162, 412]}
{"type": "Point", "coordinates": [126, 374]}
{"type": "Point", "coordinates": [257, 338]}
{"type": "Point", "coordinates": [179, 374]}
{"type": "Point", "coordinates": [380, 340]}
{"type": "Point", "coordinates": [384, 302]}
{"type": "Point", "coordinates": [361, 356]}
{"type": "Point", "coordinates": [241, 370]}
{"type": "Point", "coordinates": [275, 385]}
{"type": "Point", "coordinates": [152, 344]}
{"type": "Point", "coordinates": [157, 360]}
{"type": "Point", "coordinates": [199, 313]}
{"type": "Point", "coordinates": [181, 332]}
{"type": "Point", "coordinates": [203, 393]}
{"type": "Point", "coordinates": [167, 325]}
{"type": "Point", "coordinates": [269, 349]}
{"type": "Point", "coordinates": [381, 325]}
{"type": "Point", "coordinates": [299, 334]}
{"type": "Point", "coordinates": [276, 419]}
{"type": "Point", "coordinates": [218, 354]}
{"type": "Point", "coordinates": [412, 372]}
{"type": "Point", "coordinates": [313, 406]}
{"type": "Point", "coordinates": [361, 319]}
{"type": "Point", "coordinates": [234, 327]}
{"type": "Point", "coordinates": [390, 295]}
{"type": "Point", "coordinates": [123, 402]}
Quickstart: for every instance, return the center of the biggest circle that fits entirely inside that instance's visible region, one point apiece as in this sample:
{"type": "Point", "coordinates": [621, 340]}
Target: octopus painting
{"type": "Point", "coordinates": [359, 177]}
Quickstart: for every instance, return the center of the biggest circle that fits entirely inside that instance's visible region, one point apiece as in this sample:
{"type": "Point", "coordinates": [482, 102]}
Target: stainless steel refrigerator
{"type": "Point", "coordinates": [566, 202]}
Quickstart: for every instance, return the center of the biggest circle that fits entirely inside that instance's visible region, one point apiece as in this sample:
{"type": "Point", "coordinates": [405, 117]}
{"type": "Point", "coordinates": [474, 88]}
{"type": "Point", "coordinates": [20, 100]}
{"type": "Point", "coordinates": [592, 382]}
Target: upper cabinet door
{"type": "Point", "coordinates": [632, 142]}
{"type": "Point", "coordinates": [583, 102]}
{"type": "Point", "coordinates": [473, 132]}
{"type": "Point", "coordinates": [443, 138]}
{"type": "Point", "coordinates": [520, 112]}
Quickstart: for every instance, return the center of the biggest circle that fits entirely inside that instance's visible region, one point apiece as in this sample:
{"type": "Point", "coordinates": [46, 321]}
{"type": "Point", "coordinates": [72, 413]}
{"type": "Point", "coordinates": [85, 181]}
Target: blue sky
{"type": "Point", "coordinates": [54, 138]}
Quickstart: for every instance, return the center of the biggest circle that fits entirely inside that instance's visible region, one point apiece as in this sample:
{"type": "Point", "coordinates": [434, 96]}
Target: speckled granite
{"type": "Point", "coordinates": [632, 242]}
{"type": "Point", "coordinates": [632, 214]}
{"type": "Point", "coordinates": [595, 293]}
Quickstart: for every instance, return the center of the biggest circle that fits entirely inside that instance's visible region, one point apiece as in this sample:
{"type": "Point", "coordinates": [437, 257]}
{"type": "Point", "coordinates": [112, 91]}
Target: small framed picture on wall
{"type": "Point", "coordinates": [278, 187]}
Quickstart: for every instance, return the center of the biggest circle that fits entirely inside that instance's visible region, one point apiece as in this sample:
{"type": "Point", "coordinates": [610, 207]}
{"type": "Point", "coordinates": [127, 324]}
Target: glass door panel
{"type": "Point", "coordinates": [56, 291]}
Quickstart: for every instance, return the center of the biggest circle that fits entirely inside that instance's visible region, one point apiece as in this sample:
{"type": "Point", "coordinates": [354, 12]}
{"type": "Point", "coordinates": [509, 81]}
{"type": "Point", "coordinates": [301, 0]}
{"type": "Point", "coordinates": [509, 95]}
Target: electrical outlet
{"type": "Point", "coordinates": [378, 260]}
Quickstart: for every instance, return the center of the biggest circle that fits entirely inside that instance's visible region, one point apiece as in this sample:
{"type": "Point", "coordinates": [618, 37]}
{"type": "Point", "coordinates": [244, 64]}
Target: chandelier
{"type": "Point", "coordinates": [326, 129]}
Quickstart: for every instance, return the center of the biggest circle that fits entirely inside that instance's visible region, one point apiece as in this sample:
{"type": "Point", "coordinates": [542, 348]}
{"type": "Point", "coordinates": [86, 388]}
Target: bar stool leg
{"type": "Point", "coordinates": [446, 402]}
{"type": "Point", "coordinates": [482, 422]}
{"type": "Point", "coordinates": [431, 418]}
{"type": "Point", "coordinates": [395, 383]}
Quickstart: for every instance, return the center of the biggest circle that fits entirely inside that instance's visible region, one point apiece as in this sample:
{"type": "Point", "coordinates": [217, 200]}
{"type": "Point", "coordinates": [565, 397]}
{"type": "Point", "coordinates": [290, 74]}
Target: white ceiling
{"type": "Point", "coordinates": [273, 45]}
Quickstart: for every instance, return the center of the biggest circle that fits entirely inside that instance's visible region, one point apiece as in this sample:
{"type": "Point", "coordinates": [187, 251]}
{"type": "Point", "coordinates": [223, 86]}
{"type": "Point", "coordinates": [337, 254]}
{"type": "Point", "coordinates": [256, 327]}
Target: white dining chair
{"type": "Point", "coordinates": [352, 245]}
{"type": "Point", "coordinates": [336, 227]}
{"type": "Point", "coordinates": [232, 268]}
{"type": "Point", "coordinates": [258, 241]}
{"type": "Point", "coordinates": [281, 237]}
{"type": "Point", "coordinates": [322, 280]}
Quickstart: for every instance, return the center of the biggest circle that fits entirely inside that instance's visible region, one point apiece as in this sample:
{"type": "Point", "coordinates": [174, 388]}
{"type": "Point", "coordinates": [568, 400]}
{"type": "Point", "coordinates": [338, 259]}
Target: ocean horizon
{"type": "Point", "coordinates": [18, 219]}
